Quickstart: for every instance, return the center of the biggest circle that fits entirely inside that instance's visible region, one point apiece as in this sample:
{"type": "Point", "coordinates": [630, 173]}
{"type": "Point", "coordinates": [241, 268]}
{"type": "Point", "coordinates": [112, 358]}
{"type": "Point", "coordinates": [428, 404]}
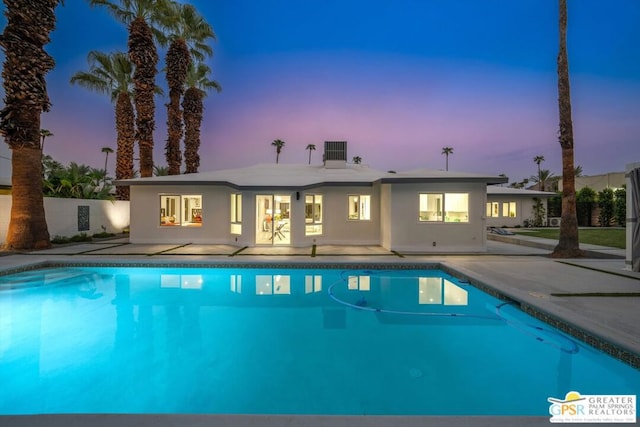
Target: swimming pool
{"type": "Point", "coordinates": [274, 341]}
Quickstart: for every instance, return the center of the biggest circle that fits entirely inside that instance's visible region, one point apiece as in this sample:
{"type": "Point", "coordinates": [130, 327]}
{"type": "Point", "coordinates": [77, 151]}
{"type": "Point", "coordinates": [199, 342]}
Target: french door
{"type": "Point", "coordinates": [273, 219]}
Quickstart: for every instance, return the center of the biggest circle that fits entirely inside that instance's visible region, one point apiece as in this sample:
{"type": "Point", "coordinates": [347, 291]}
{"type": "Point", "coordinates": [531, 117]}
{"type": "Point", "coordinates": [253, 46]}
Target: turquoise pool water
{"type": "Point", "coordinates": [272, 341]}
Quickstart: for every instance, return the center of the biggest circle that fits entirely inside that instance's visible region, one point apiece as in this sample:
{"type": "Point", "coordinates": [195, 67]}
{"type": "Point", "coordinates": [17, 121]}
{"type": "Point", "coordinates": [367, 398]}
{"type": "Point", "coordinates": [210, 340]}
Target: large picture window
{"type": "Point", "coordinates": [313, 214]}
{"type": "Point", "coordinates": [236, 213]}
{"type": "Point", "coordinates": [443, 207]}
{"type": "Point", "coordinates": [360, 207]}
{"type": "Point", "coordinates": [180, 210]}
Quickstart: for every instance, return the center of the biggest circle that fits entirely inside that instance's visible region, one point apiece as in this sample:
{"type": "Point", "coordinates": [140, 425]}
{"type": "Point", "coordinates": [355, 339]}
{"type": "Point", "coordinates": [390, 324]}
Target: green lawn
{"type": "Point", "coordinates": [612, 237]}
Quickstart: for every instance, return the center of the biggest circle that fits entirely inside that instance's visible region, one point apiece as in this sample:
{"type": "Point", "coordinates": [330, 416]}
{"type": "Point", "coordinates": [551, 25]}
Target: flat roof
{"type": "Point", "coordinates": [298, 176]}
{"type": "Point", "coordinates": [498, 190]}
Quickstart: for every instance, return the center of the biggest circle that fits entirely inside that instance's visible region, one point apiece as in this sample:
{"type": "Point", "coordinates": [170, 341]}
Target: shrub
{"type": "Point", "coordinates": [605, 202]}
{"type": "Point", "coordinates": [82, 237]}
{"type": "Point", "coordinates": [620, 209]}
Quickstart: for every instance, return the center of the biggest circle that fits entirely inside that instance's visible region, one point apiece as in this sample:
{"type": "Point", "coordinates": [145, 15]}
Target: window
{"type": "Point", "coordinates": [313, 214]}
{"type": "Point", "coordinates": [236, 213]}
{"type": "Point", "coordinates": [360, 207]}
{"type": "Point", "coordinates": [180, 210]}
{"type": "Point", "coordinates": [493, 209]}
{"type": "Point", "coordinates": [509, 209]}
{"type": "Point", "coordinates": [447, 207]}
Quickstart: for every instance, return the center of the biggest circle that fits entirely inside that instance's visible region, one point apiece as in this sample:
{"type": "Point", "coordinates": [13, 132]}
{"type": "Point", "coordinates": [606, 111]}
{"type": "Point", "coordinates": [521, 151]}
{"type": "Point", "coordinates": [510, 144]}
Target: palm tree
{"type": "Point", "coordinates": [106, 150]}
{"type": "Point", "coordinates": [446, 151]}
{"type": "Point", "coordinates": [198, 83]}
{"type": "Point", "coordinates": [112, 74]}
{"type": "Point", "coordinates": [160, 170]}
{"type": "Point", "coordinates": [188, 33]}
{"type": "Point", "coordinates": [278, 143]}
{"type": "Point", "coordinates": [27, 29]}
{"type": "Point", "coordinates": [537, 160]}
{"type": "Point", "coordinates": [568, 244]}
{"type": "Point", "coordinates": [310, 147]}
{"type": "Point", "coordinates": [356, 160]}
{"type": "Point", "coordinates": [43, 134]}
{"type": "Point", "coordinates": [544, 175]}
{"type": "Point", "coordinates": [138, 16]}
{"type": "Point", "coordinates": [577, 172]}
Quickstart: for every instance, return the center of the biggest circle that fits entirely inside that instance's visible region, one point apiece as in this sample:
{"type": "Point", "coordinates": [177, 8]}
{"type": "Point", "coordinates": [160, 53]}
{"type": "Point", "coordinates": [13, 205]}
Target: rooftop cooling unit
{"type": "Point", "coordinates": [554, 222]}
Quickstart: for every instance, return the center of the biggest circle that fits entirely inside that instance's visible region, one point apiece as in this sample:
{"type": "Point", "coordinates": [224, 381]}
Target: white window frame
{"type": "Point", "coordinates": [236, 213]}
{"type": "Point", "coordinates": [363, 207]}
{"type": "Point", "coordinates": [441, 211]}
{"type": "Point", "coordinates": [313, 225]}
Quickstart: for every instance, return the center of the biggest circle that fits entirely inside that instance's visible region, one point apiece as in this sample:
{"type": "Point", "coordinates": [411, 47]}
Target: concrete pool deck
{"type": "Point", "coordinates": [518, 268]}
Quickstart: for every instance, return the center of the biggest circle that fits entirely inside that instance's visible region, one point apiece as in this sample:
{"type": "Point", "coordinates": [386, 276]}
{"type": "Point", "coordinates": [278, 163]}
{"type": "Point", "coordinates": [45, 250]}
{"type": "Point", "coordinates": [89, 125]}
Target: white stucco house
{"type": "Point", "coordinates": [302, 205]}
{"type": "Point", "coordinates": [511, 207]}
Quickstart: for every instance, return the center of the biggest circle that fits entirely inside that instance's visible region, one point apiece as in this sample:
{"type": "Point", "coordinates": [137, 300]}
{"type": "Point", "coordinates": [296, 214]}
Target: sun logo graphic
{"type": "Point", "coordinates": [571, 405]}
{"type": "Point", "coordinates": [577, 408]}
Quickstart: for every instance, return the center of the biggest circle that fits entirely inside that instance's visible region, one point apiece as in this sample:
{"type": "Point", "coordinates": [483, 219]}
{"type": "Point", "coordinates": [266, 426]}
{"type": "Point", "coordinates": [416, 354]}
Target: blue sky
{"type": "Point", "coordinates": [398, 80]}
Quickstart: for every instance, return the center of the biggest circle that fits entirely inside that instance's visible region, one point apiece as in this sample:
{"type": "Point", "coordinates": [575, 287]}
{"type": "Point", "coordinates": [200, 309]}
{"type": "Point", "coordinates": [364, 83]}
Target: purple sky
{"type": "Point", "coordinates": [398, 80]}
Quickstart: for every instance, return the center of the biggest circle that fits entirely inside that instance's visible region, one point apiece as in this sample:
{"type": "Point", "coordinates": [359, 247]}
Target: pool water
{"type": "Point", "coordinates": [274, 341]}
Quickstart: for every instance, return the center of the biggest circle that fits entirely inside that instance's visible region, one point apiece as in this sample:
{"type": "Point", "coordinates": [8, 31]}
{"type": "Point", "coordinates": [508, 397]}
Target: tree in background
{"type": "Point", "coordinates": [198, 84]}
{"type": "Point", "coordinates": [27, 30]}
{"type": "Point", "coordinates": [279, 144]}
{"type": "Point", "coordinates": [139, 16]}
{"type": "Point", "coordinates": [44, 133]}
{"type": "Point", "coordinates": [446, 151]}
{"type": "Point", "coordinates": [620, 210]}
{"type": "Point", "coordinates": [538, 160]}
{"type": "Point", "coordinates": [106, 150]}
{"type": "Point", "coordinates": [605, 203]}
{"type": "Point", "coordinates": [538, 212]}
{"type": "Point", "coordinates": [586, 199]}
{"type": "Point", "coordinates": [568, 243]}
{"type": "Point", "coordinates": [543, 177]}
{"type": "Point", "coordinates": [310, 147]}
{"type": "Point", "coordinates": [188, 33]}
{"type": "Point", "coordinates": [112, 74]}
{"type": "Point", "coordinates": [356, 160]}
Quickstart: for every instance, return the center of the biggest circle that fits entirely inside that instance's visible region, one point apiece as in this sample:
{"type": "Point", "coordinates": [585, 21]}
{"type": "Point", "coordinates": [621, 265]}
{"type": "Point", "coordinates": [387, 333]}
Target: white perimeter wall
{"type": "Point", "coordinates": [62, 216]}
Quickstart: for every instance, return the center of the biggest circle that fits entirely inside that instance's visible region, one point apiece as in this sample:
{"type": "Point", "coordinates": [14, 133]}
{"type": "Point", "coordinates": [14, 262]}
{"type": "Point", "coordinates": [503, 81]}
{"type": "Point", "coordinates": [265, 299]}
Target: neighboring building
{"type": "Point", "coordinates": [510, 207]}
{"type": "Point", "coordinates": [301, 205]}
{"type": "Point", "coordinates": [613, 180]}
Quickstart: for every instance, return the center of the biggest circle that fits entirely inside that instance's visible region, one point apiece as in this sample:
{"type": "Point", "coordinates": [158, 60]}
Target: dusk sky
{"type": "Point", "coordinates": [397, 79]}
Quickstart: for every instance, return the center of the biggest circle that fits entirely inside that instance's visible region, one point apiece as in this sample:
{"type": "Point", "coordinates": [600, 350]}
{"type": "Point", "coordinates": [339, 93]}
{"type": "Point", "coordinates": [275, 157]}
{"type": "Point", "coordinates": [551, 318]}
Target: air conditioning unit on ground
{"type": "Point", "coordinates": [554, 222]}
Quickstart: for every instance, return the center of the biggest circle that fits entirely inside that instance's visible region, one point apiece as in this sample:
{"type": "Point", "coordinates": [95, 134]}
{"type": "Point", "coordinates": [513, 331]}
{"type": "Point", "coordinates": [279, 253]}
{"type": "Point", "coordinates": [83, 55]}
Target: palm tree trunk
{"type": "Point", "coordinates": [143, 54]}
{"type": "Point", "coordinates": [25, 66]}
{"type": "Point", "coordinates": [568, 244]}
{"type": "Point", "coordinates": [193, 107]}
{"type": "Point", "coordinates": [178, 61]}
{"type": "Point", "coordinates": [125, 129]}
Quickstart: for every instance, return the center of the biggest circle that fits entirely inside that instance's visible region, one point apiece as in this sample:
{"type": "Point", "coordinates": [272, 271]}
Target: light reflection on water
{"type": "Point", "coordinates": [133, 340]}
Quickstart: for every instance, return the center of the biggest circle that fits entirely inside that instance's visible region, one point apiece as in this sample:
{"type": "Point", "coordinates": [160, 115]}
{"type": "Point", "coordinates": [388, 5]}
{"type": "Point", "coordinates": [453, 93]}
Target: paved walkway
{"type": "Point", "coordinates": [595, 298]}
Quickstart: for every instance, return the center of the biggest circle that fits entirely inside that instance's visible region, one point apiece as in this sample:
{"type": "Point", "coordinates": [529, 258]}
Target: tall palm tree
{"type": "Point", "coordinates": [27, 29]}
{"type": "Point", "coordinates": [537, 160]}
{"type": "Point", "coordinates": [568, 244]}
{"type": "Point", "coordinates": [44, 133]}
{"type": "Point", "coordinates": [198, 84]}
{"type": "Point", "coordinates": [106, 150]}
{"type": "Point", "coordinates": [278, 143]}
{"type": "Point", "coordinates": [112, 74]}
{"type": "Point", "coordinates": [188, 33]}
{"type": "Point", "coordinates": [139, 16]}
{"type": "Point", "coordinates": [310, 147]}
{"type": "Point", "coordinates": [446, 151]}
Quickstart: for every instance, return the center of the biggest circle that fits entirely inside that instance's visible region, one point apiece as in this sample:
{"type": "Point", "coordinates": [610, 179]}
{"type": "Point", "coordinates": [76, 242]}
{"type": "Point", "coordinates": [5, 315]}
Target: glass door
{"type": "Point", "coordinates": [273, 219]}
